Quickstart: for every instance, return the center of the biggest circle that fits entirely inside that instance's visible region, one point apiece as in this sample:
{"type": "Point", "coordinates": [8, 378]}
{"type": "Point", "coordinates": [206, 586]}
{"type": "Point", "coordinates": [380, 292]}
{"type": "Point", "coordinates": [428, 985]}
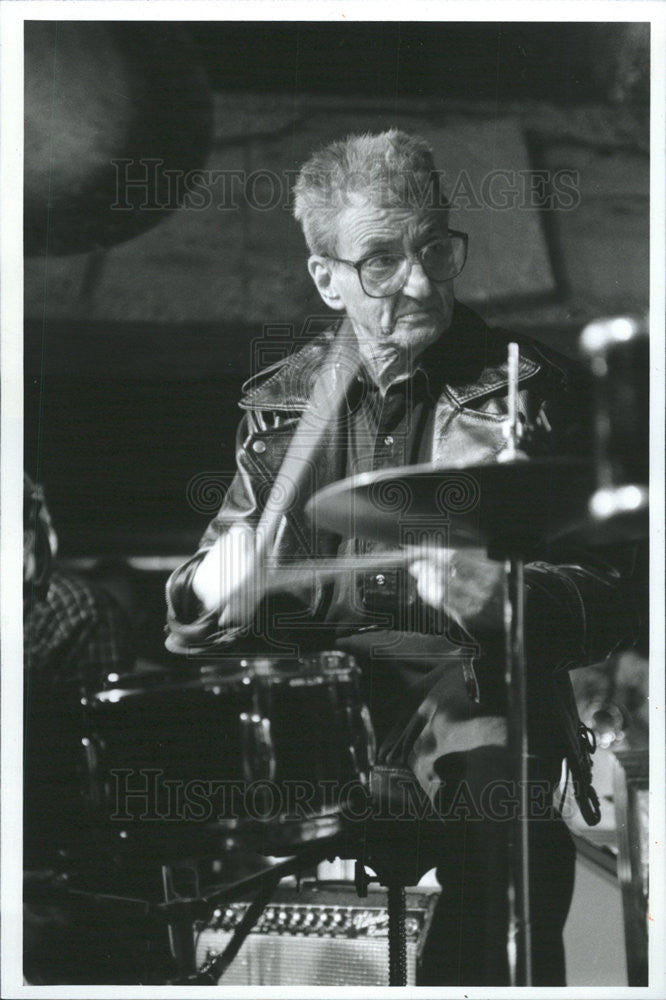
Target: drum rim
{"type": "Point", "coordinates": [307, 670]}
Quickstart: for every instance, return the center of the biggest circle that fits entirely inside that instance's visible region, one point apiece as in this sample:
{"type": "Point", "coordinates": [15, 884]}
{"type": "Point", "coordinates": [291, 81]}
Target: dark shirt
{"type": "Point", "coordinates": [387, 431]}
{"type": "Point", "coordinates": [378, 616]}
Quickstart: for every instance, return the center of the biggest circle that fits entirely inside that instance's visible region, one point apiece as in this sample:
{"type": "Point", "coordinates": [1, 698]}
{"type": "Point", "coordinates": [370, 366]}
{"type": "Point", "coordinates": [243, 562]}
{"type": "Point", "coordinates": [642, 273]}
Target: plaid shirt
{"type": "Point", "coordinates": [74, 633]}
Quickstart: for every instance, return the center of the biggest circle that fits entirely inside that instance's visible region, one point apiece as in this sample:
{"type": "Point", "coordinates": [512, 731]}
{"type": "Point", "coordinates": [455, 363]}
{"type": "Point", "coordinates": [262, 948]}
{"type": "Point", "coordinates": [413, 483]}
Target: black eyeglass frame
{"type": "Point", "coordinates": [358, 264]}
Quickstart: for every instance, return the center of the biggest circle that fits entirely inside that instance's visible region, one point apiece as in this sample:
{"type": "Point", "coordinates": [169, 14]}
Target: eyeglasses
{"type": "Point", "coordinates": [385, 273]}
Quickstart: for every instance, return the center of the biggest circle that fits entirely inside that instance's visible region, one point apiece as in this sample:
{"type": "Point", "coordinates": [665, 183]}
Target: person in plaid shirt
{"type": "Point", "coordinates": [74, 633]}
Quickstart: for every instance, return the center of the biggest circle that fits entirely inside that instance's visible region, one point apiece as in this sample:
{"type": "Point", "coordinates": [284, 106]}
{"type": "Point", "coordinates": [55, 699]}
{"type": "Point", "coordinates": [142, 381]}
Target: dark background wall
{"type": "Point", "coordinates": [135, 352]}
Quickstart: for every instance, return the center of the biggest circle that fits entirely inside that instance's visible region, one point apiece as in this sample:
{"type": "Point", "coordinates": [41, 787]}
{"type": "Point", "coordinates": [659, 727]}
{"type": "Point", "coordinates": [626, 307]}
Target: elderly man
{"type": "Point", "coordinates": [427, 383]}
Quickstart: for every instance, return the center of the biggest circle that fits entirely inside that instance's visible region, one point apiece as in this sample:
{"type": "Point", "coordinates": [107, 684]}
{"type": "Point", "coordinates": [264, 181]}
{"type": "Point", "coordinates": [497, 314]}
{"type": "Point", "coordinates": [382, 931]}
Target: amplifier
{"type": "Point", "coordinates": [320, 936]}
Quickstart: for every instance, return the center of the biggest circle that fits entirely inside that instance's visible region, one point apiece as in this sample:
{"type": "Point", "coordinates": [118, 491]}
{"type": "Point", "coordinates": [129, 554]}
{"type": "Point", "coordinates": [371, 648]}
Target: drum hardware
{"type": "Point", "coordinates": [519, 945]}
{"type": "Point", "coordinates": [257, 746]}
{"type": "Point", "coordinates": [215, 967]}
{"type": "Point", "coordinates": [617, 352]}
{"type": "Point", "coordinates": [513, 428]}
{"type": "Point", "coordinates": [179, 913]}
{"type": "Point", "coordinates": [258, 750]}
{"type": "Point", "coordinates": [91, 761]}
{"type": "Point", "coordinates": [184, 915]}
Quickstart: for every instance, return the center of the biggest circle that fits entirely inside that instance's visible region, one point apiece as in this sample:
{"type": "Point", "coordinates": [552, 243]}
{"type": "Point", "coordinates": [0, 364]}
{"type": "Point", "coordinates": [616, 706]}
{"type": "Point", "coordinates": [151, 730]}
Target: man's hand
{"type": "Point", "coordinates": [227, 579]}
{"type": "Point", "coordinates": [465, 583]}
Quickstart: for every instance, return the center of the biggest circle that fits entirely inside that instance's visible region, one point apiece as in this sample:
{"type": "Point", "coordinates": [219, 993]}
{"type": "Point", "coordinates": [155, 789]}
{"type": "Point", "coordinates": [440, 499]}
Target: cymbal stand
{"type": "Point", "coordinates": [519, 944]}
{"type": "Point", "coordinates": [520, 931]}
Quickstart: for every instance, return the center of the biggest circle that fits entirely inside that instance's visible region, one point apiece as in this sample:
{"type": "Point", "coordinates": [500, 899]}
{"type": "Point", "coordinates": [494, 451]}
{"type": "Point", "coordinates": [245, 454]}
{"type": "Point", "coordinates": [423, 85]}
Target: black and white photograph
{"type": "Point", "coordinates": [333, 360]}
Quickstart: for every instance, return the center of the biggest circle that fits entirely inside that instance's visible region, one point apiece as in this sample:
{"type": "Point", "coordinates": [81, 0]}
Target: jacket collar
{"type": "Point", "coordinates": [468, 364]}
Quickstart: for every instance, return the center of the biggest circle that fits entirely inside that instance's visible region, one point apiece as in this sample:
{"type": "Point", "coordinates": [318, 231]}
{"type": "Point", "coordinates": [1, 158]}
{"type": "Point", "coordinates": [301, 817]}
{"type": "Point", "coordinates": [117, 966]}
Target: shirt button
{"type": "Point", "coordinates": [259, 447]}
{"type": "Point", "coordinates": [388, 440]}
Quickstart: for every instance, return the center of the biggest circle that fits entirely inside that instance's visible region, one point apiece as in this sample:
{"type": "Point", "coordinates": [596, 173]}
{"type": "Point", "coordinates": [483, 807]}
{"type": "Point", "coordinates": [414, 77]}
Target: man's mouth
{"type": "Point", "coordinates": [419, 311]}
{"type": "Point", "coordinates": [418, 318]}
{"type": "Point", "coordinates": [416, 314]}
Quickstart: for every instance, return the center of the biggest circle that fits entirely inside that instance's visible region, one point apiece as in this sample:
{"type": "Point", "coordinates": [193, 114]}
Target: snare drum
{"type": "Point", "coordinates": [276, 746]}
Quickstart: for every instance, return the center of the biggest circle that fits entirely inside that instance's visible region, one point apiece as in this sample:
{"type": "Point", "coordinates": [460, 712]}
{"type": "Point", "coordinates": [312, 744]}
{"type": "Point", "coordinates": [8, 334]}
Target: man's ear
{"type": "Point", "coordinates": [320, 272]}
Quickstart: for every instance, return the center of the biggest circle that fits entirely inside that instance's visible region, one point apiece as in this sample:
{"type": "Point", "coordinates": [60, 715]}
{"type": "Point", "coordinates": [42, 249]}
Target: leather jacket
{"type": "Point", "coordinates": [572, 603]}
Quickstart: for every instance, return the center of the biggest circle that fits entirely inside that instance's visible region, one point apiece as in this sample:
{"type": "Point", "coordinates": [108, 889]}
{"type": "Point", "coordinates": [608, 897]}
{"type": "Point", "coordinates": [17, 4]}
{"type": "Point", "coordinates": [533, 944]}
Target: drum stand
{"type": "Point", "coordinates": [182, 913]}
{"type": "Point", "coordinates": [519, 943]}
{"type": "Point", "coordinates": [179, 913]}
{"type": "Point", "coordinates": [181, 918]}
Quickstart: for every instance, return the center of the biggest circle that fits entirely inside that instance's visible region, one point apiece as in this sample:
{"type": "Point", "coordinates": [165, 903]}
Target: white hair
{"type": "Point", "coordinates": [388, 168]}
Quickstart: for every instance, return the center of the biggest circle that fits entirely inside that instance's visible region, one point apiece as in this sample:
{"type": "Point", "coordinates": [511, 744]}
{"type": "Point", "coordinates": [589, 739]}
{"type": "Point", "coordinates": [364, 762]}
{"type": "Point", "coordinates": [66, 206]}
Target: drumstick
{"type": "Point", "coordinates": [327, 396]}
{"type": "Point", "coordinates": [328, 393]}
{"type": "Point", "coordinates": [292, 576]}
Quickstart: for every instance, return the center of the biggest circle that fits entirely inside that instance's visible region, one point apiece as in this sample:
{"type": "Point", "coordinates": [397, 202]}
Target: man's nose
{"type": "Point", "coordinates": [418, 284]}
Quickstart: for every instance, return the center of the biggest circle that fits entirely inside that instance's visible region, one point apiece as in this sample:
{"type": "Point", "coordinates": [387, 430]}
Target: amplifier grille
{"type": "Point", "coordinates": [326, 938]}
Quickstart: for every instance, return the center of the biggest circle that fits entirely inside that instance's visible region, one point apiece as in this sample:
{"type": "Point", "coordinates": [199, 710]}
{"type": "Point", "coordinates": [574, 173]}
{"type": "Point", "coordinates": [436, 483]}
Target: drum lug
{"type": "Point", "coordinates": [259, 760]}
{"type": "Point", "coordinates": [361, 879]}
{"type": "Point", "coordinates": [370, 734]}
{"type": "Point", "coordinates": [92, 747]}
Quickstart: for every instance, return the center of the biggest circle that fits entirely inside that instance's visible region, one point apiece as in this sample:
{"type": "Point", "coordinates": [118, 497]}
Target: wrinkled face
{"type": "Point", "coordinates": [410, 319]}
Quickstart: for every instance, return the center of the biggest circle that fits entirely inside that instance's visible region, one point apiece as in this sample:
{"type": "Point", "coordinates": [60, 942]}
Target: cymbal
{"type": "Point", "coordinates": [499, 506]}
{"type": "Point", "coordinates": [110, 137]}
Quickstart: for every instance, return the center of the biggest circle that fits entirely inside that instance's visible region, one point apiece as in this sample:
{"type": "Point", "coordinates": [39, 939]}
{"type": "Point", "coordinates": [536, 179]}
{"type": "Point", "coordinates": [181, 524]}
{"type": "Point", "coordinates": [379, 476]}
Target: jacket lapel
{"type": "Point", "coordinates": [466, 367]}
